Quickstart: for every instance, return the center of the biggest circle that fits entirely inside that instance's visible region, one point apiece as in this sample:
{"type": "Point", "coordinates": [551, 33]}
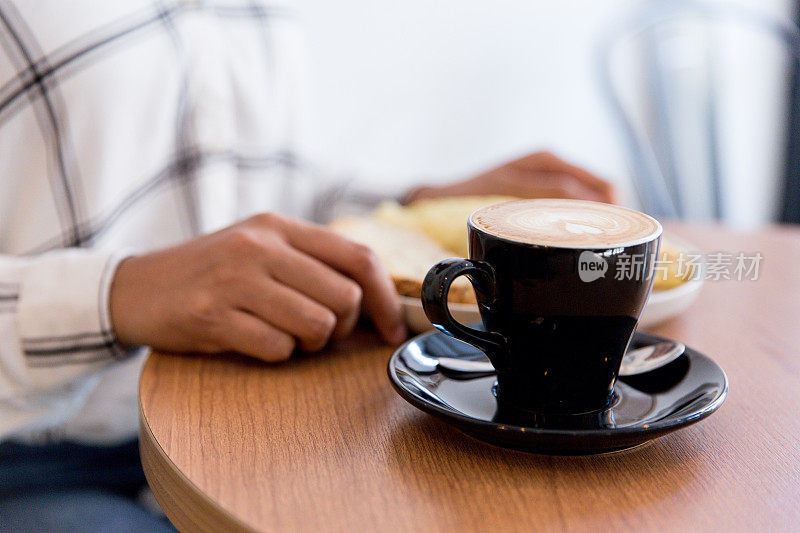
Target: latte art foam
{"type": "Point", "coordinates": [566, 223]}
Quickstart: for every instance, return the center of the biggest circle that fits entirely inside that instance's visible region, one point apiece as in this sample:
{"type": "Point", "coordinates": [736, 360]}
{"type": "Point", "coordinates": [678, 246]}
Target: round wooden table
{"type": "Point", "coordinates": [323, 442]}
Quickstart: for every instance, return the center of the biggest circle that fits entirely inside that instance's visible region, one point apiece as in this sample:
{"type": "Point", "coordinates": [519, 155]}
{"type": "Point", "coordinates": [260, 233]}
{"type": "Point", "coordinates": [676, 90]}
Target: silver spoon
{"type": "Point", "coordinates": [636, 361]}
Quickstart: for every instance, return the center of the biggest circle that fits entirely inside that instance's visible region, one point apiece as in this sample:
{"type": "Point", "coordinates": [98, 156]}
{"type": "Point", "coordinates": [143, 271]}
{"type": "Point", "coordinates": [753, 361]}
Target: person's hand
{"type": "Point", "coordinates": [539, 175]}
{"type": "Point", "coordinates": [260, 287]}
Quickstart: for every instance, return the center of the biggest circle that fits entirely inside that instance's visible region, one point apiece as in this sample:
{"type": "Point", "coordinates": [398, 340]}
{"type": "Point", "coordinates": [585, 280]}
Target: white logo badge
{"type": "Point", "coordinates": [591, 266]}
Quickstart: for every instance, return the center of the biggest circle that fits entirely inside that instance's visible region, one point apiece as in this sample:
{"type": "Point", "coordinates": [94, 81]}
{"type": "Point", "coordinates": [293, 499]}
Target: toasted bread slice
{"type": "Point", "coordinates": [444, 220]}
{"type": "Point", "coordinates": [673, 267]}
{"type": "Point", "coordinates": [407, 254]}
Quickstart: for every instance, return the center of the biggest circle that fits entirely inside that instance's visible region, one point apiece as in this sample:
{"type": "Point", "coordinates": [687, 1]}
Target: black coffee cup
{"type": "Point", "coordinates": [556, 319]}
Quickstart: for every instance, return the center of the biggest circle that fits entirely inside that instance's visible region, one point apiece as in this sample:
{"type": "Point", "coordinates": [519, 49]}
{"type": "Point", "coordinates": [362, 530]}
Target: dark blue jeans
{"type": "Point", "coordinates": [72, 487]}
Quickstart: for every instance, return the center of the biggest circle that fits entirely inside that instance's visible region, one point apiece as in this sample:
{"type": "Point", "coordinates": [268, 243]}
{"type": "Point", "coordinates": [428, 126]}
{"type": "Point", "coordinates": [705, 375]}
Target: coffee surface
{"type": "Point", "coordinates": [566, 223]}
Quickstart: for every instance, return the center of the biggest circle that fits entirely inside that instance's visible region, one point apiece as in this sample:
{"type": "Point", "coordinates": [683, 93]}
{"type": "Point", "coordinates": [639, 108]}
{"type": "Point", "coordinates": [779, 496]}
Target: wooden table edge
{"type": "Point", "coordinates": [720, 475]}
{"type": "Point", "coordinates": [183, 502]}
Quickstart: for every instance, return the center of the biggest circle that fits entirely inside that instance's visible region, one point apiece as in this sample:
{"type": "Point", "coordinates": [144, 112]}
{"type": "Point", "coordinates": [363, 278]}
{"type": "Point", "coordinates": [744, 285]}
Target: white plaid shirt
{"type": "Point", "coordinates": [125, 125]}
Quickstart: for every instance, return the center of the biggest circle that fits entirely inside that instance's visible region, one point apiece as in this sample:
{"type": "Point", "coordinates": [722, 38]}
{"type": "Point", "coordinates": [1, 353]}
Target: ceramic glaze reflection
{"type": "Point", "coordinates": [566, 223]}
{"type": "Point", "coordinates": [645, 406]}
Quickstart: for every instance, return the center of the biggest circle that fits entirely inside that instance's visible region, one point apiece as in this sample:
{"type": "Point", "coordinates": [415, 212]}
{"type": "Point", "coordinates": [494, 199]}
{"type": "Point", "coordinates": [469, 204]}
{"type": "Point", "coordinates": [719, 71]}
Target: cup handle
{"type": "Point", "coordinates": [434, 301]}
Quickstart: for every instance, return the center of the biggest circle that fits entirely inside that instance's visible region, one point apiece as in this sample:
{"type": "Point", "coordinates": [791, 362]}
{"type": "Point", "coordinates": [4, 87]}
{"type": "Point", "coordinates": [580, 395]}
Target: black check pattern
{"type": "Point", "coordinates": [37, 81]}
{"type": "Point", "coordinates": [9, 294]}
{"type": "Point", "coordinates": [37, 86]}
{"type": "Point", "coordinates": [21, 47]}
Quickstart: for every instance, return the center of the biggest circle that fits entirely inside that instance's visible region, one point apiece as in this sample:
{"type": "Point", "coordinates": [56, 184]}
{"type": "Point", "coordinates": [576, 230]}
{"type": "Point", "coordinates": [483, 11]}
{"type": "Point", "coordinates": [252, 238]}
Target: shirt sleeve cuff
{"type": "Point", "coordinates": [63, 308]}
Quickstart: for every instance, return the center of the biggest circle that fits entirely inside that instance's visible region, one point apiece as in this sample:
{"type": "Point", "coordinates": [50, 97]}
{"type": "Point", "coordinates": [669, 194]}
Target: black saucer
{"type": "Point", "coordinates": [645, 407]}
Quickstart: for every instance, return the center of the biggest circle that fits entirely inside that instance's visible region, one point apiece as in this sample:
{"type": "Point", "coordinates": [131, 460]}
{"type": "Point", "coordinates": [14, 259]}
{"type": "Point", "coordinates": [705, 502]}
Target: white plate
{"type": "Point", "coordinates": [661, 306]}
{"type": "Point", "coordinates": [418, 322]}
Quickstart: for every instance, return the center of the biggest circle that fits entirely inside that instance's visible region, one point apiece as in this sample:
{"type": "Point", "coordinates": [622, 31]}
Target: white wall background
{"type": "Point", "coordinates": [421, 90]}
